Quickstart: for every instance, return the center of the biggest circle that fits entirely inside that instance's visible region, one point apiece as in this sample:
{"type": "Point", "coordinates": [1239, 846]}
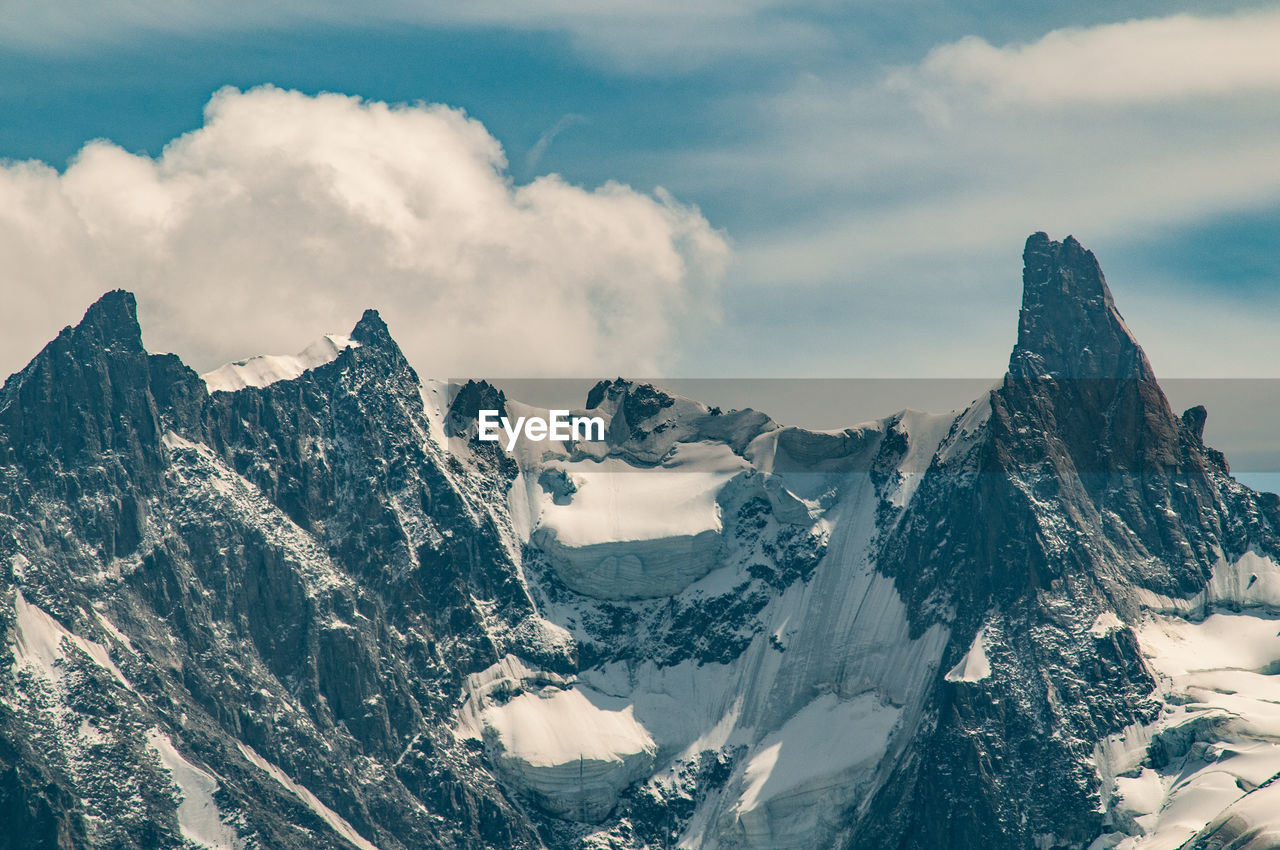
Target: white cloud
{"type": "Point", "coordinates": [993, 142]}
{"type": "Point", "coordinates": [661, 35]}
{"type": "Point", "coordinates": [1131, 62]}
{"type": "Point", "coordinates": [285, 216]}
{"type": "Point", "coordinates": [905, 215]}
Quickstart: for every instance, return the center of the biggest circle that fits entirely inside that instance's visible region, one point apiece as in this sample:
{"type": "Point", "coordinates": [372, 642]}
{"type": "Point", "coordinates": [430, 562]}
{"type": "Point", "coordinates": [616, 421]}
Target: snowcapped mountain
{"type": "Point", "coordinates": [299, 603]}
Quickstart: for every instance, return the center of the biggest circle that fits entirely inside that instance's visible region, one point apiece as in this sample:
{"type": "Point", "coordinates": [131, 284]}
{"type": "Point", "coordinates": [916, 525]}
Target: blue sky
{"type": "Point", "coordinates": [871, 168]}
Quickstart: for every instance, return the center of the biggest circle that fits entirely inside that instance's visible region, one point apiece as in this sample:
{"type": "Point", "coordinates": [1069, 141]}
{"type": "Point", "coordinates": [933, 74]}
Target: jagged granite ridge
{"type": "Point", "coordinates": [363, 627]}
{"type": "Point", "coordinates": [297, 602]}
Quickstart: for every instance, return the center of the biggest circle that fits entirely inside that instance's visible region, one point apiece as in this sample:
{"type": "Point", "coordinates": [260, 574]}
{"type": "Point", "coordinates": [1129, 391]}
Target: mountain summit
{"type": "Point", "coordinates": [297, 604]}
{"type": "Point", "coordinates": [1069, 325]}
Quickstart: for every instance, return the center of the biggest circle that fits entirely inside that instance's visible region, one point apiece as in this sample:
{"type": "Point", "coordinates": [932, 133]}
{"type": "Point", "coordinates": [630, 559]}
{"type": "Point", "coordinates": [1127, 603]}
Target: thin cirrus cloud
{"type": "Point", "coordinates": [1135, 61]}
{"type": "Point", "coordinates": [534, 157]}
{"type": "Point", "coordinates": [285, 215]}
{"type": "Point", "coordinates": [1115, 128]}
{"type": "Point", "coordinates": [661, 36]}
{"type": "Point", "coordinates": [916, 187]}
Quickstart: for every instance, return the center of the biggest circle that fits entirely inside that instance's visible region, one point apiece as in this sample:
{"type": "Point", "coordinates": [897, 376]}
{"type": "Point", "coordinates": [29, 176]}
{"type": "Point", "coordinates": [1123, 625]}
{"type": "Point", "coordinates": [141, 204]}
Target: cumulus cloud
{"type": "Point", "coordinates": [286, 215]}
{"type": "Point", "coordinates": [1131, 62]}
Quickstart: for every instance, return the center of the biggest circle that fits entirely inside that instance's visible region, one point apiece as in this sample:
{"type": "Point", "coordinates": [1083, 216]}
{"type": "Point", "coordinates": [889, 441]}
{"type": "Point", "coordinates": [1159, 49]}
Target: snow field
{"type": "Point", "coordinates": [267, 369]}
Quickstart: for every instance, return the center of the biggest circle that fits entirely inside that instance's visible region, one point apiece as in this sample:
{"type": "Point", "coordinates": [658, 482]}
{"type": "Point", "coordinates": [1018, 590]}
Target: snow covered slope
{"type": "Point", "coordinates": [269, 368]}
{"type": "Point", "coordinates": [729, 656]}
{"type": "Point", "coordinates": [1201, 774]}
{"type": "Point", "coordinates": [572, 747]}
{"type": "Point", "coordinates": [627, 533]}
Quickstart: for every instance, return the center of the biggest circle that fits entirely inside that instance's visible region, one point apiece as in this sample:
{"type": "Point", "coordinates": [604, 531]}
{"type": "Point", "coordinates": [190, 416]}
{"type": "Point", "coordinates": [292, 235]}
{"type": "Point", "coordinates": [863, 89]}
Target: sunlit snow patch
{"type": "Point", "coordinates": [335, 821]}
{"type": "Point", "coordinates": [39, 643]}
{"type": "Point", "coordinates": [1204, 766]}
{"type": "Point", "coordinates": [1251, 581]}
{"type": "Point", "coordinates": [1104, 624]}
{"type": "Point", "coordinates": [198, 816]}
{"type": "Point", "coordinates": [975, 666]}
{"type": "Point", "coordinates": [268, 368]}
{"type": "Point", "coordinates": [800, 774]}
{"type": "Point", "coordinates": [628, 532]}
{"type": "Point", "coordinates": [569, 747]}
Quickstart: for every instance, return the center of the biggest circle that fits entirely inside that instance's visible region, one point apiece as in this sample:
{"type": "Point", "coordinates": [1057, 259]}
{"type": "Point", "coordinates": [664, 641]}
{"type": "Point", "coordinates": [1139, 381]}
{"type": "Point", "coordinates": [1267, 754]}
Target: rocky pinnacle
{"type": "Point", "coordinates": [1069, 325]}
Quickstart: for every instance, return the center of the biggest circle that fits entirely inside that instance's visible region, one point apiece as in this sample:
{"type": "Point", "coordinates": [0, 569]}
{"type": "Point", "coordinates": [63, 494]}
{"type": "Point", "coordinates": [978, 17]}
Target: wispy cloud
{"type": "Point", "coordinates": [663, 35]}
{"type": "Point", "coordinates": [539, 149]}
{"type": "Point", "coordinates": [915, 188]}
{"type": "Point", "coordinates": [993, 139]}
{"type": "Point", "coordinates": [1138, 61]}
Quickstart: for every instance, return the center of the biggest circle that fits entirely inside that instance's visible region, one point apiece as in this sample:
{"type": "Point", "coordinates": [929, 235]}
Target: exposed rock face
{"type": "Point", "coordinates": [282, 570]}
{"type": "Point", "coordinates": [315, 611]}
{"type": "Point", "coordinates": [1086, 496]}
{"type": "Point", "coordinates": [1069, 326]}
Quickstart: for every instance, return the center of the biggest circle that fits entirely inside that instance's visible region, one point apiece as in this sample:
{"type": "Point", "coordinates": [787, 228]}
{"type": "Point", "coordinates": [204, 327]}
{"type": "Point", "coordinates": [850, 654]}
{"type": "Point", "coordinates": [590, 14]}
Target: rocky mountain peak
{"type": "Point", "coordinates": [109, 326]}
{"type": "Point", "coordinates": [1069, 325]}
{"type": "Point", "coordinates": [466, 402]}
{"type": "Point", "coordinates": [1081, 417]}
{"type": "Point", "coordinates": [86, 392]}
{"type": "Point", "coordinates": [1195, 418]}
{"type": "Point", "coordinates": [1077, 375]}
{"type": "Point", "coordinates": [112, 320]}
{"type": "Point", "coordinates": [378, 347]}
{"type": "Point", "coordinates": [371, 330]}
{"type": "Point", "coordinates": [285, 614]}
